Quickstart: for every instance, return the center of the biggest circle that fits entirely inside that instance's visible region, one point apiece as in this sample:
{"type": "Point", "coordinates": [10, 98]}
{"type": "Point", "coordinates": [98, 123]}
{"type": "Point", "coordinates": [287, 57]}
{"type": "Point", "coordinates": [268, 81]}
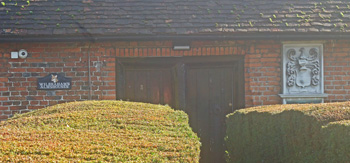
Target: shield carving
{"type": "Point", "coordinates": [302, 69]}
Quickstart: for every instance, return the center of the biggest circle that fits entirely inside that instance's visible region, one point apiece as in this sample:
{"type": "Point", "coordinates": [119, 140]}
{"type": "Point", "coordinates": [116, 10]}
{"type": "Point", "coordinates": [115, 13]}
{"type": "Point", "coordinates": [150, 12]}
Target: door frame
{"type": "Point", "coordinates": [208, 61]}
{"type": "Point", "coordinates": [236, 64]}
{"type": "Point", "coordinates": [124, 63]}
{"type": "Point", "coordinates": [178, 65]}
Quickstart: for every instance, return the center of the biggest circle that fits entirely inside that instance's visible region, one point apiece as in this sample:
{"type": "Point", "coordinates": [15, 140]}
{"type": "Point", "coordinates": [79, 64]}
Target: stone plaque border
{"type": "Point", "coordinates": [295, 55]}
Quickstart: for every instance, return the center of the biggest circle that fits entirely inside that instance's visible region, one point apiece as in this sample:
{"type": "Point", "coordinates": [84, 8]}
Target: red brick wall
{"type": "Point", "coordinates": [263, 73]}
{"type": "Point", "coordinates": [18, 77]}
{"type": "Point", "coordinates": [337, 70]}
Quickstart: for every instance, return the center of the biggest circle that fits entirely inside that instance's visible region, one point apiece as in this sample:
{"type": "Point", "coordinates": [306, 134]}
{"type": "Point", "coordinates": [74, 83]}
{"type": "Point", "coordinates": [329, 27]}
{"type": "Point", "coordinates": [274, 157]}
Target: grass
{"type": "Point", "coordinates": [99, 131]}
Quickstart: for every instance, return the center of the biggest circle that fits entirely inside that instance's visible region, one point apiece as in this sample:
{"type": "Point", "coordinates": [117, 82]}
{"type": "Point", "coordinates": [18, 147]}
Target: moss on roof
{"type": "Point", "coordinates": [105, 17]}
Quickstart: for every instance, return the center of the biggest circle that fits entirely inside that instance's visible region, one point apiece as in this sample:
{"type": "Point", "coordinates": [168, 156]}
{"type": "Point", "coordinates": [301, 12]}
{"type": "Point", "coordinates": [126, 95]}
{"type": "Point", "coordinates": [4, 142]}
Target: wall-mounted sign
{"type": "Point", "coordinates": [54, 81]}
{"type": "Point", "coordinates": [302, 73]}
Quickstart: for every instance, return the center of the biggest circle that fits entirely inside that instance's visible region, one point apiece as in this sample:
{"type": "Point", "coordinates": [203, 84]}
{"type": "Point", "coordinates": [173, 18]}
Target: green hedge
{"type": "Point", "coordinates": [289, 133]}
{"type": "Point", "coordinates": [107, 131]}
{"type": "Point", "coordinates": [336, 142]}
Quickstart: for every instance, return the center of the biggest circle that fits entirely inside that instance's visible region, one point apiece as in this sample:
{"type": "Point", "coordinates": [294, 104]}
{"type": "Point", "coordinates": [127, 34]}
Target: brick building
{"type": "Point", "coordinates": [205, 57]}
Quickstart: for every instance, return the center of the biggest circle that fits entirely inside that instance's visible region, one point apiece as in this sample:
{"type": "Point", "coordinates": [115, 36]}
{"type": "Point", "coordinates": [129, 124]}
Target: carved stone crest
{"type": "Point", "coordinates": [302, 73]}
{"type": "Point", "coordinates": [303, 69]}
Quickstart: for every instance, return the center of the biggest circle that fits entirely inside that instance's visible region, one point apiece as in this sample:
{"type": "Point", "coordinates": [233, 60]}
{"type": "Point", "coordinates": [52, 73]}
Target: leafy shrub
{"type": "Point", "coordinates": [336, 142]}
{"type": "Point", "coordinates": [111, 131]}
{"type": "Point", "coordinates": [289, 133]}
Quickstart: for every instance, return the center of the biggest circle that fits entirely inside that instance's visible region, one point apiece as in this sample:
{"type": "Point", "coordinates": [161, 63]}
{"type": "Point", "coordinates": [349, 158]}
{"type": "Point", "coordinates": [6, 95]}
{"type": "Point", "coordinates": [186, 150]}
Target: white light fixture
{"type": "Point", "coordinates": [23, 53]}
{"type": "Point", "coordinates": [181, 47]}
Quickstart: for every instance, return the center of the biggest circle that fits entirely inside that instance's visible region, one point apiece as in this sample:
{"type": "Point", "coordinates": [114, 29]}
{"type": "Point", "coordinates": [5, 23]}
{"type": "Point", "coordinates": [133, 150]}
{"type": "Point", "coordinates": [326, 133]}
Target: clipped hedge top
{"type": "Point", "coordinates": [325, 112]}
{"type": "Point", "coordinates": [112, 131]}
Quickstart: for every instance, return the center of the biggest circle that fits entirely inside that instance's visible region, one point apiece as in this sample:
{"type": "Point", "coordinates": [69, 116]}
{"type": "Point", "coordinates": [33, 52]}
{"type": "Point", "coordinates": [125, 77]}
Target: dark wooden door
{"type": "Point", "coordinates": [149, 85]}
{"type": "Point", "coordinates": [211, 93]}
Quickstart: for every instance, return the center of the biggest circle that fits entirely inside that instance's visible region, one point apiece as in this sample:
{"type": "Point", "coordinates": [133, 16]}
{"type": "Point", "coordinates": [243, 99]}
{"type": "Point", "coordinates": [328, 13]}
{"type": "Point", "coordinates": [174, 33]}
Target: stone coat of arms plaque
{"type": "Point", "coordinates": [302, 71]}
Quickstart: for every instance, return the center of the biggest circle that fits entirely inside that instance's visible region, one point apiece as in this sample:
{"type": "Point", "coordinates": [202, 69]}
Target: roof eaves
{"type": "Point", "coordinates": [239, 36]}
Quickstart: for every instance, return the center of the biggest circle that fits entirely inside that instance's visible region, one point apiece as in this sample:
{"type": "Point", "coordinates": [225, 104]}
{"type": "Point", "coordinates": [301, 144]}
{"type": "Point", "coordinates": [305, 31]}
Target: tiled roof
{"type": "Point", "coordinates": [172, 17]}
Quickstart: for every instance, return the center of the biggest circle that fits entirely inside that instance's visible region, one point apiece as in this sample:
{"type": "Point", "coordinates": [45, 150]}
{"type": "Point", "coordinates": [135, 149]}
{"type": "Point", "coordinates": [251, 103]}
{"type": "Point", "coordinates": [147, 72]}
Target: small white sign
{"type": "Point", "coordinates": [14, 55]}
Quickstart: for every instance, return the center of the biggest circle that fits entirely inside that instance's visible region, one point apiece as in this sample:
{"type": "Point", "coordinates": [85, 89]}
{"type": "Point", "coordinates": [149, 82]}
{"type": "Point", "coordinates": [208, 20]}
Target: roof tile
{"type": "Point", "coordinates": [154, 17]}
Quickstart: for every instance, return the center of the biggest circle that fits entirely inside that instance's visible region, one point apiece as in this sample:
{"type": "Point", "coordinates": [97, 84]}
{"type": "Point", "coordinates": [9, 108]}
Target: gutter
{"type": "Point", "coordinates": [89, 73]}
{"type": "Point", "coordinates": [248, 36]}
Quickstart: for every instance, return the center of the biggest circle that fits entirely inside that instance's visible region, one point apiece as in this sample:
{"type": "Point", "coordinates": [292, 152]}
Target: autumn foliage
{"type": "Point", "coordinates": [107, 131]}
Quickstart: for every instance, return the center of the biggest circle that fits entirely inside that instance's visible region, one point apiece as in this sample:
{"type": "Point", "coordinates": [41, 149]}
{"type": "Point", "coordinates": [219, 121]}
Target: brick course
{"type": "Point", "coordinates": [18, 77]}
